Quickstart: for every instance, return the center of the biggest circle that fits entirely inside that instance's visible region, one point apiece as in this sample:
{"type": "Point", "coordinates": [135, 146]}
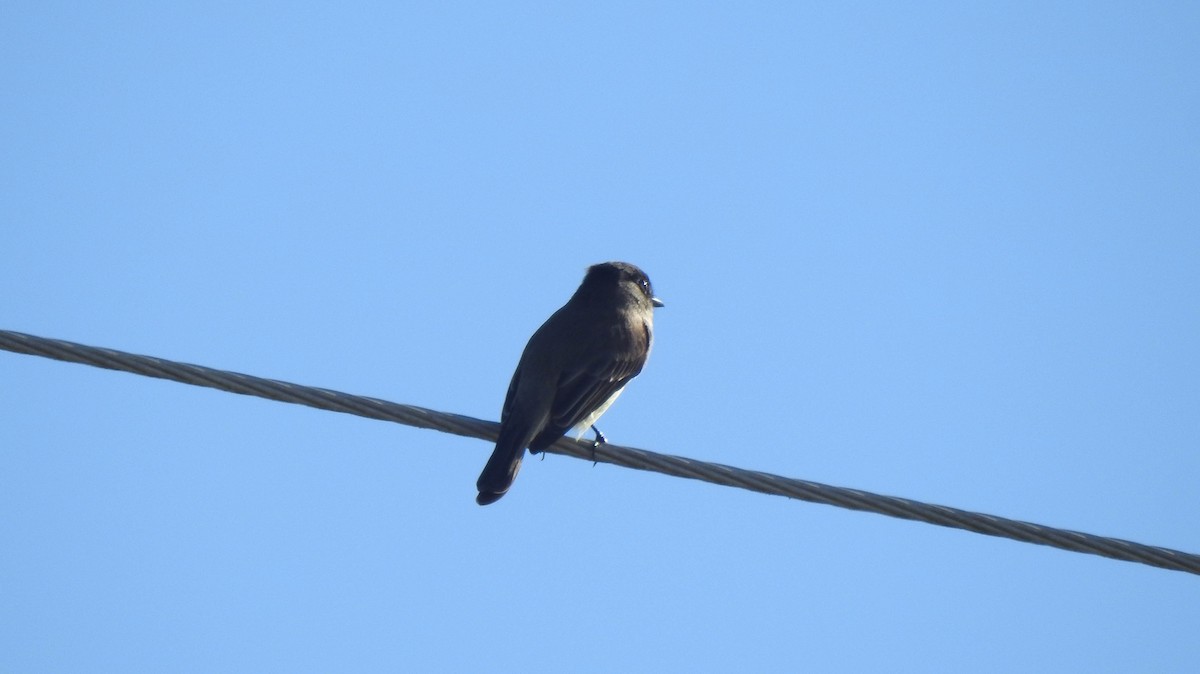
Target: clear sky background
{"type": "Point", "coordinates": [946, 251]}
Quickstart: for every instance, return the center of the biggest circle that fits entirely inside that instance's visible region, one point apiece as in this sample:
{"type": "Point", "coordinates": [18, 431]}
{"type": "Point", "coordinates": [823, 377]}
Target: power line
{"type": "Point", "coordinates": [629, 457]}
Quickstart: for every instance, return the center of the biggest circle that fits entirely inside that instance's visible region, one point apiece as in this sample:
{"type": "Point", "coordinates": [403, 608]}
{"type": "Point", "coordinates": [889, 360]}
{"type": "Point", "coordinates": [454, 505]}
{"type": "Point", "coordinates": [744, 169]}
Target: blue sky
{"type": "Point", "coordinates": [945, 251]}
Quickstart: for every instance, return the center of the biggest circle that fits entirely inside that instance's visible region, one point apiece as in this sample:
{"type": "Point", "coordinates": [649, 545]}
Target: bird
{"type": "Point", "coordinates": [573, 368]}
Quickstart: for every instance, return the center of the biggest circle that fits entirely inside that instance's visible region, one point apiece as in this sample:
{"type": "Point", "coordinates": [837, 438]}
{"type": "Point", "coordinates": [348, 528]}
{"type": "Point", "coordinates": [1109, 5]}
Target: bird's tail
{"type": "Point", "coordinates": [502, 467]}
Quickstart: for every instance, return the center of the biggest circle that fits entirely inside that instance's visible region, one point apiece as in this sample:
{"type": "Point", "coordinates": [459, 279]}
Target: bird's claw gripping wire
{"type": "Point", "coordinates": [596, 442]}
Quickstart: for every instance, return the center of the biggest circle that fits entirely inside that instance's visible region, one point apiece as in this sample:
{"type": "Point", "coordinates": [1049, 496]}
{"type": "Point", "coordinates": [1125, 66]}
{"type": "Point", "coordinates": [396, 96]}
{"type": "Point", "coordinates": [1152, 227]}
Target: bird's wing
{"type": "Point", "coordinates": [583, 389]}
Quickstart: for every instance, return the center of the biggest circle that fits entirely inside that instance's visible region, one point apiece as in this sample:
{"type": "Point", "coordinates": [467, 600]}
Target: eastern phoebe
{"type": "Point", "coordinates": [573, 368]}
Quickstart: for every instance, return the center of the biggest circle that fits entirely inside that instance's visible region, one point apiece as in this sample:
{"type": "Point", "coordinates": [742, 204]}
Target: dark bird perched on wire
{"type": "Point", "coordinates": [573, 368]}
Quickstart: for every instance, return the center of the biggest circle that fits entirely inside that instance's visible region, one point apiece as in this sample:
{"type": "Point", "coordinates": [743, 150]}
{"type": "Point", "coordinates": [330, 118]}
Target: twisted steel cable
{"type": "Point", "coordinates": [629, 457]}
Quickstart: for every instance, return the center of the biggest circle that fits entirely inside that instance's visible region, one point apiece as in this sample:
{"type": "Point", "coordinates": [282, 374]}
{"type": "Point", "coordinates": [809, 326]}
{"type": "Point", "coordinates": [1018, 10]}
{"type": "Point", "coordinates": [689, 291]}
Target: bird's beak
{"type": "Point", "coordinates": [656, 302]}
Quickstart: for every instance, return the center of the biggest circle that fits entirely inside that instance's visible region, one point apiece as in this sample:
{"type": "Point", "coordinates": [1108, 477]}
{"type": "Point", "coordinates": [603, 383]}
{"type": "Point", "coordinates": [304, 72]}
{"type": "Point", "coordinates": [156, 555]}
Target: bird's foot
{"type": "Point", "coordinates": [596, 442]}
